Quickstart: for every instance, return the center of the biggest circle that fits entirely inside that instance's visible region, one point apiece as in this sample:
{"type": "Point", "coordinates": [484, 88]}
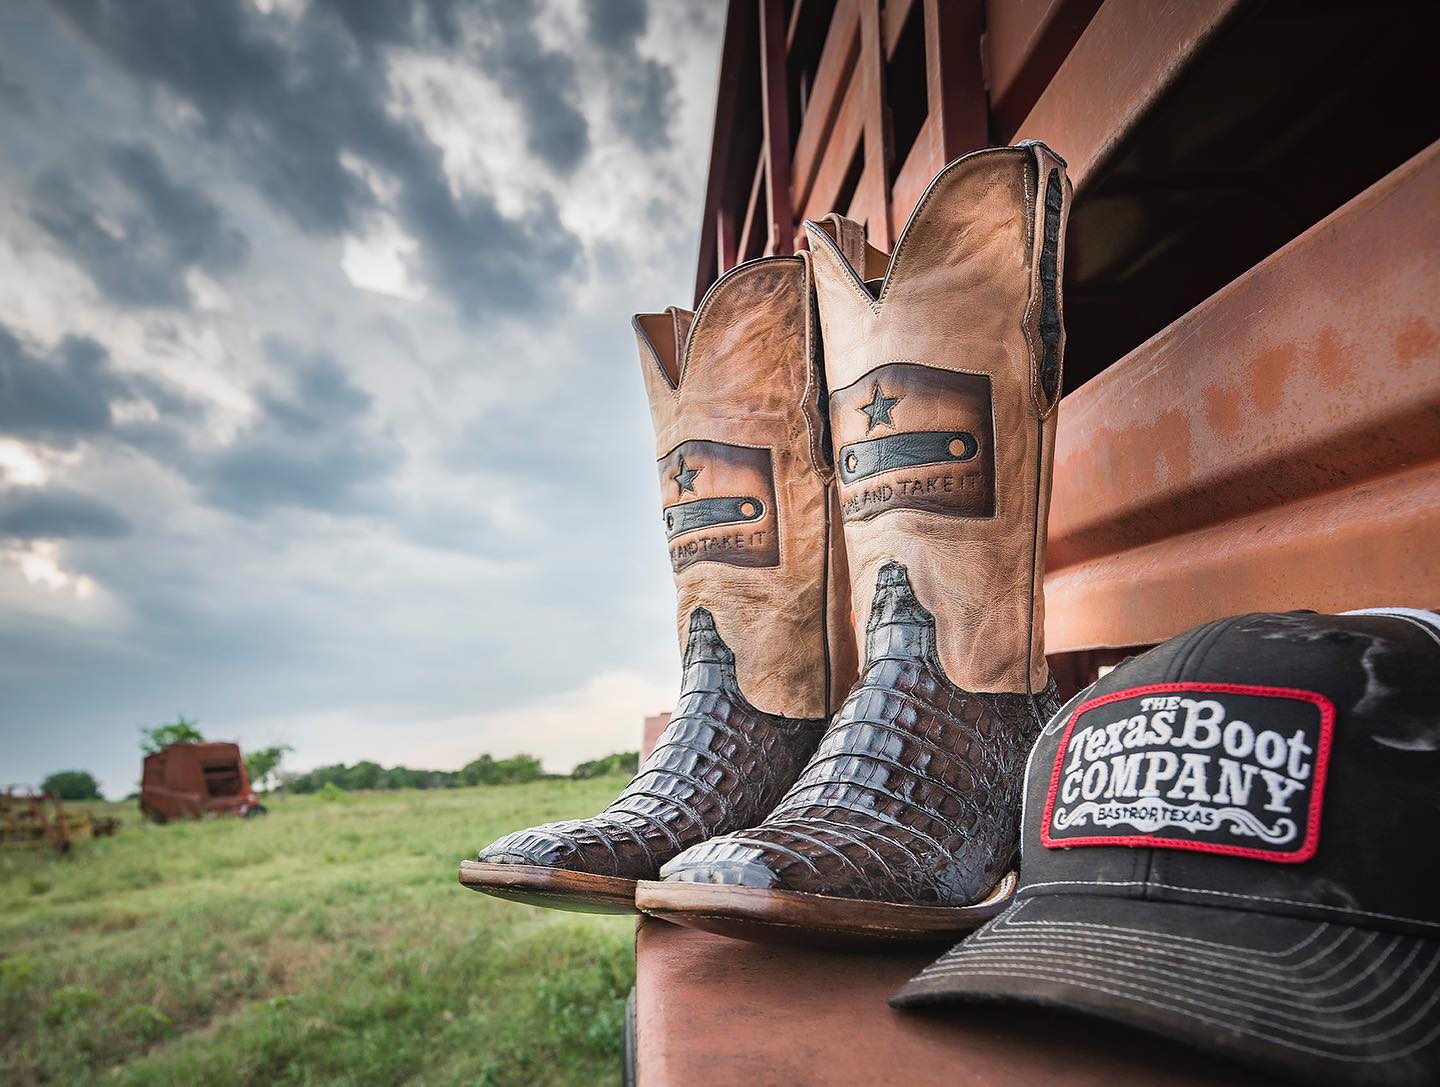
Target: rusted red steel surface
{"type": "Point", "coordinates": [1128, 55]}
{"type": "Point", "coordinates": [1373, 543]}
{"type": "Point", "coordinates": [1025, 41]}
{"type": "Point", "coordinates": [827, 98]}
{"type": "Point", "coordinates": [775, 146]}
{"type": "Point", "coordinates": [753, 1014]}
{"type": "Point", "coordinates": [1275, 447]}
{"type": "Point", "coordinates": [846, 119]}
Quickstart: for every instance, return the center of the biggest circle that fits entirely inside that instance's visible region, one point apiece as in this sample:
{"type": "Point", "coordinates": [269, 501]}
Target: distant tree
{"type": "Point", "coordinates": [520, 768]}
{"type": "Point", "coordinates": [479, 771]}
{"type": "Point", "coordinates": [178, 731]}
{"type": "Point", "coordinates": [622, 762]}
{"type": "Point", "coordinates": [312, 781]}
{"type": "Point", "coordinates": [72, 785]}
{"type": "Point", "coordinates": [364, 775]}
{"type": "Point", "coordinates": [264, 761]}
{"type": "Point", "coordinates": [487, 770]}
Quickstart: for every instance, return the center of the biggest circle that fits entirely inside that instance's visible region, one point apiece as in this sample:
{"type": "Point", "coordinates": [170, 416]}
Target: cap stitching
{"type": "Point", "coordinates": [1278, 1023]}
{"type": "Point", "coordinates": [1024, 969]}
{"type": "Point", "coordinates": [1228, 894]}
{"type": "Point", "coordinates": [1078, 946]}
{"type": "Point", "coordinates": [1124, 937]}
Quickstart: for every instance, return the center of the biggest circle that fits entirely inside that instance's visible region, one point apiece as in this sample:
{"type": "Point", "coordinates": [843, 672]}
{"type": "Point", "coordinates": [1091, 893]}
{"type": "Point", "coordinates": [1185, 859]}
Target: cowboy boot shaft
{"type": "Point", "coordinates": [944, 382]}
{"type": "Point", "coordinates": [747, 496]}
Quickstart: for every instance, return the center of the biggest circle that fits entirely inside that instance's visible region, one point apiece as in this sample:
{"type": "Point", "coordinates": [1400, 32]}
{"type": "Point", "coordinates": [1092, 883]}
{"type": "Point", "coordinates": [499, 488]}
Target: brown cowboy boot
{"type": "Point", "coordinates": [944, 379]}
{"type": "Point", "coordinates": [763, 594]}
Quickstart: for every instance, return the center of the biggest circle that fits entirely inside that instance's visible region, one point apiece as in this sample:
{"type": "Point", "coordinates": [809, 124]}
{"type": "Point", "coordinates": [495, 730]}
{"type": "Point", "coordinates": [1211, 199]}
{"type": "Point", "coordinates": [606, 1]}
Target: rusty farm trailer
{"type": "Point", "coordinates": [193, 780]}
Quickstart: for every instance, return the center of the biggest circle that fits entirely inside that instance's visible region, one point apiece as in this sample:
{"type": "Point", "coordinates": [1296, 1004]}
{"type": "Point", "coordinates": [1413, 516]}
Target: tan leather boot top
{"type": "Point", "coordinates": [943, 388]}
{"type": "Point", "coordinates": [745, 483]}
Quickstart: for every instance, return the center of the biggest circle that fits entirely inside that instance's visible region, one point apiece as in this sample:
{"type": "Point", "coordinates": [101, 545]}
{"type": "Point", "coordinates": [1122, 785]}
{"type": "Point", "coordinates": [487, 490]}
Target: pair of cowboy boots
{"type": "Point", "coordinates": [888, 492]}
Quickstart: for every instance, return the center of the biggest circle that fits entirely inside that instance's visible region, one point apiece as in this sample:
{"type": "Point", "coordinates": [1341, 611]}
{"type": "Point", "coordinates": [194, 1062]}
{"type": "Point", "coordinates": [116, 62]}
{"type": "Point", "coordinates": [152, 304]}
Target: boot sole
{"type": "Point", "coordinates": [811, 920]}
{"type": "Point", "coordinates": [555, 888]}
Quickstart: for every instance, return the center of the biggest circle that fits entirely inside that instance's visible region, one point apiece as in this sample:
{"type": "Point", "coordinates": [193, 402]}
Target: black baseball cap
{"type": "Point", "coordinates": [1233, 840]}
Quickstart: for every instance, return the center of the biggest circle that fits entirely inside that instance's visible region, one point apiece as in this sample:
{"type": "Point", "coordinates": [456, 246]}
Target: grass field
{"type": "Point", "coordinates": [327, 943]}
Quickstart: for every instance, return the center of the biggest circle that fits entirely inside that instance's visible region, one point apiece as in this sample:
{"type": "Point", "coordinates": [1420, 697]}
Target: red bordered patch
{"type": "Point", "coordinates": [1214, 767]}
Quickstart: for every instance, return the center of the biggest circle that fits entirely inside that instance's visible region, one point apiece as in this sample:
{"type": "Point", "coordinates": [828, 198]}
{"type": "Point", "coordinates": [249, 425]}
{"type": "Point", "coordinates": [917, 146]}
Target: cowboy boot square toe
{"type": "Point", "coordinates": [752, 522]}
{"type": "Point", "coordinates": [944, 380]}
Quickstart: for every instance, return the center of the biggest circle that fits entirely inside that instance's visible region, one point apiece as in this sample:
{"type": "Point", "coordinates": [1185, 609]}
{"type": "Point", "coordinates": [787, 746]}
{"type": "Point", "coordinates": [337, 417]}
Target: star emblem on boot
{"type": "Point", "coordinates": [879, 409]}
{"type": "Point", "coordinates": [684, 477]}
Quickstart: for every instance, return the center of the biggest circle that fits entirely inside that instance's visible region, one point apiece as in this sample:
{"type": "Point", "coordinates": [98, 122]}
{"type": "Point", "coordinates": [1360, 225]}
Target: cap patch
{"type": "Point", "coordinates": [719, 505]}
{"type": "Point", "coordinates": [1214, 767]}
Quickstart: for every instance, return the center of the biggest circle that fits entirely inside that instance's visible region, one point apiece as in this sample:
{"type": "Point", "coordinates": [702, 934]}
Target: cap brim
{"type": "Point", "coordinates": [1313, 1000]}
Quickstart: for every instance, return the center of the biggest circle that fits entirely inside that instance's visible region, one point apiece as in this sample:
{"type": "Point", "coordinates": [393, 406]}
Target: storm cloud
{"type": "Point", "coordinates": [14, 97]}
{"type": "Point", "coordinates": [301, 108]}
{"type": "Point", "coordinates": [540, 81]}
{"type": "Point", "coordinates": [162, 231]}
{"type": "Point", "coordinates": [28, 513]}
{"type": "Point", "coordinates": [641, 89]}
{"type": "Point", "coordinates": [308, 447]}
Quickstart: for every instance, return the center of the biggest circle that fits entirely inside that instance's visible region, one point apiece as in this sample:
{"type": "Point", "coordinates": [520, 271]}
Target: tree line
{"type": "Point", "coordinates": [486, 770]}
{"type": "Point", "coordinates": [263, 767]}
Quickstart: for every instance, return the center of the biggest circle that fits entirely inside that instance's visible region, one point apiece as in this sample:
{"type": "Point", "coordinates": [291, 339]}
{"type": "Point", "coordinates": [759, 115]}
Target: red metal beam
{"type": "Point", "coordinates": [892, 23]}
{"type": "Point", "coordinates": [874, 191]}
{"type": "Point", "coordinates": [813, 143]}
{"type": "Point", "coordinates": [737, 27]}
{"type": "Point", "coordinates": [955, 85]}
{"type": "Point", "coordinates": [1295, 413]}
{"type": "Point", "coordinates": [921, 166]}
{"type": "Point", "coordinates": [1129, 54]}
{"type": "Point", "coordinates": [1368, 545]}
{"type": "Point", "coordinates": [752, 208]}
{"type": "Point", "coordinates": [839, 153]}
{"type": "Point", "coordinates": [1025, 42]}
{"type": "Point", "coordinates": [775, 112]}
{"type": "Point", "coordinates": [726, 240]}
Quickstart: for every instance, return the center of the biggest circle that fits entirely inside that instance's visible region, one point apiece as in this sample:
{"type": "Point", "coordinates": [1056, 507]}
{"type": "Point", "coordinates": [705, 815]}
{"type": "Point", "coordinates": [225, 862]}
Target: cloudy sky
{"type": "Point", "coordinates": [320, 417]}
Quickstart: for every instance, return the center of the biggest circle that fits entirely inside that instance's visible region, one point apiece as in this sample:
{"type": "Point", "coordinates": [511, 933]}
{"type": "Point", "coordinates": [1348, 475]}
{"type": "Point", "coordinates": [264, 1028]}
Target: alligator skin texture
{"type": "Point", "coordinates": [720, 765]}
{"type": "Point", "coordinates": [914, 793]}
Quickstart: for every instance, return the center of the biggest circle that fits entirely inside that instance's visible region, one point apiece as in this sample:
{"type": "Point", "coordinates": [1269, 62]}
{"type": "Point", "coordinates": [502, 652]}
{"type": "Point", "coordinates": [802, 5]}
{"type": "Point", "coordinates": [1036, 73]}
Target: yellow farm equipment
{"type": "Point", "coordinates": [30, 820]}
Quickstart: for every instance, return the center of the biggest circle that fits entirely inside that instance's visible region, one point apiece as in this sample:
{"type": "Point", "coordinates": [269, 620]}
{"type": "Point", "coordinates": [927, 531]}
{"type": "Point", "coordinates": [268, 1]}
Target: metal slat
{"type": "Point", "coordinates": [1131, 51]}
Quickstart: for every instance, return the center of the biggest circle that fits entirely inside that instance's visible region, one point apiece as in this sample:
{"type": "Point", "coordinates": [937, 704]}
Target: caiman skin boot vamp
{"type": "Point", "coordinates": [944, 381]}
{"type": "Point", "coordinates": [752, 518]}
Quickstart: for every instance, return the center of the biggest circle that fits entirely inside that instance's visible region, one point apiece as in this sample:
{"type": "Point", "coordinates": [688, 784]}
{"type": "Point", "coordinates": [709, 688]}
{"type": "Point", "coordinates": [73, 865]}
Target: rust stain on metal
{"type": "Point", "coordinates": [1223, 410]}
{"type": "Point", "coordinates": [1333, 363]}
{"type": "Point", "coordinates": [1416, 340]}
{"type": "Point", "coordinates": [1272, 369]}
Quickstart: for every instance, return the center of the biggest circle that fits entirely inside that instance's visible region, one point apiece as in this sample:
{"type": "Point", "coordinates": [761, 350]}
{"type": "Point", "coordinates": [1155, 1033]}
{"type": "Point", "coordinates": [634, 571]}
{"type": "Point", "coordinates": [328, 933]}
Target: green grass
{"type": "Point", "coordinates": [326, 943]}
